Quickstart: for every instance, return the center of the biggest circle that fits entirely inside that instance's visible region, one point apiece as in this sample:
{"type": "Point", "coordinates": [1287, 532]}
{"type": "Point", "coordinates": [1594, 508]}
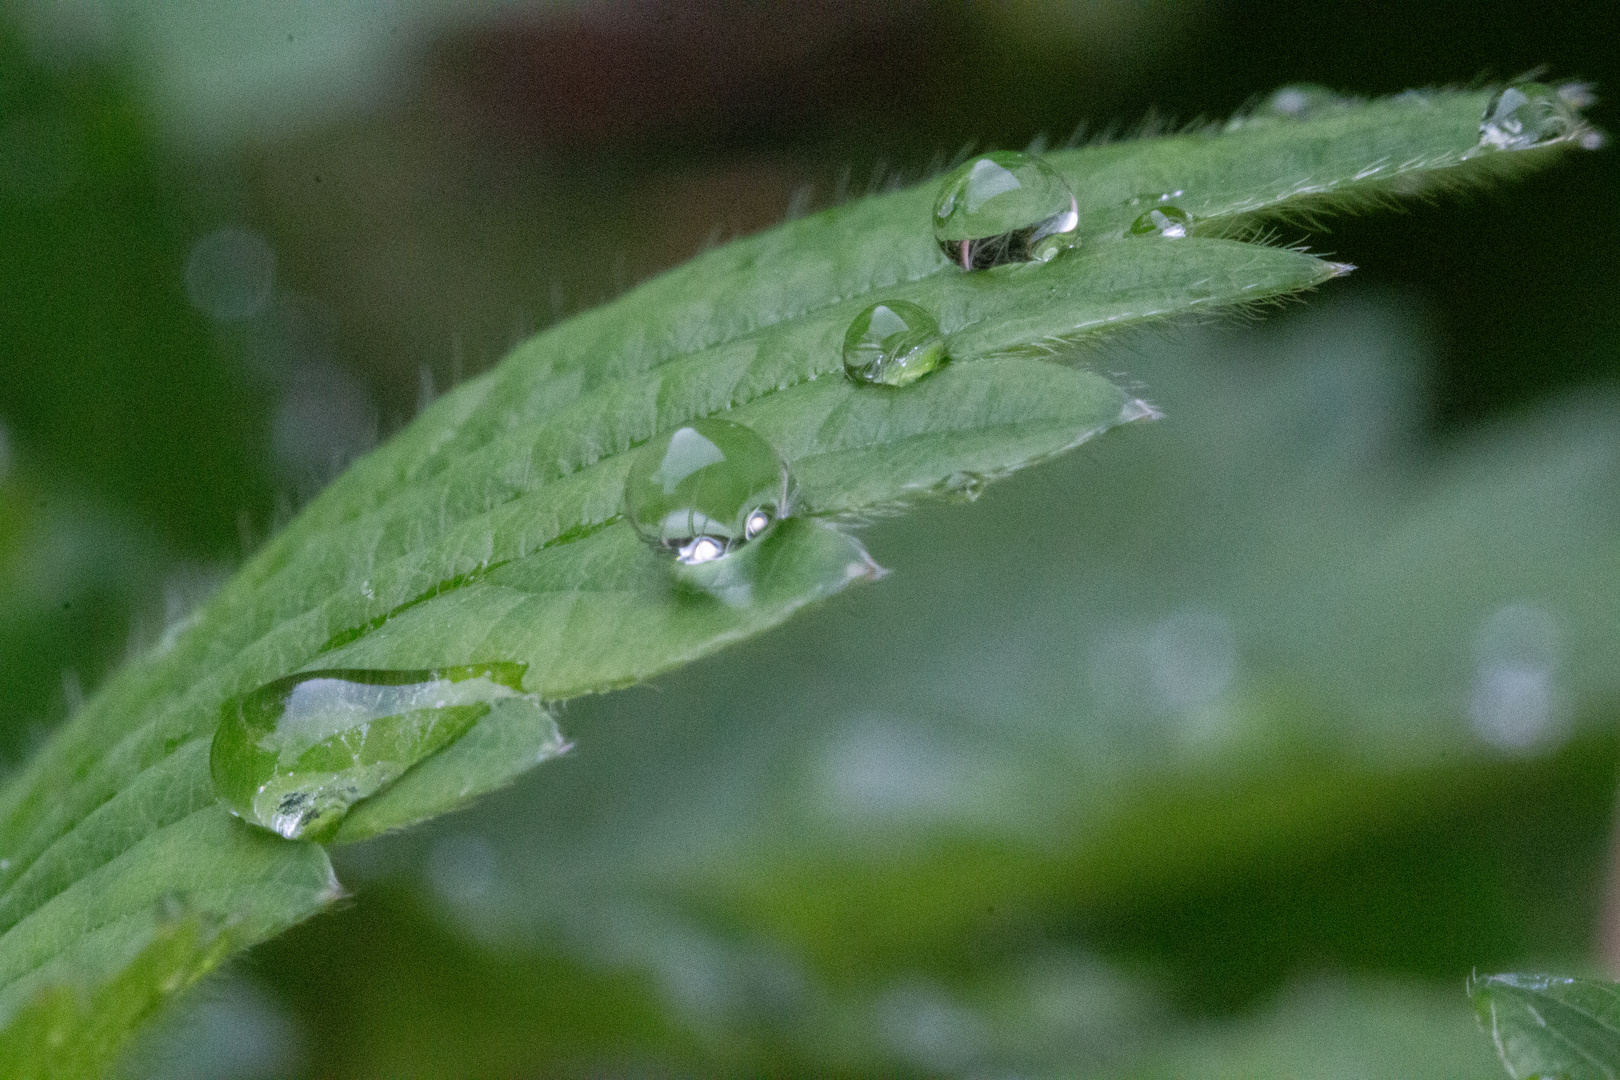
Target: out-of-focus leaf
{"type": "Point", "coordinates": [62, 1033]}
{"type": "Point", "coordinates": [88, 964]}
{"type": "Point", "coordinates": [111, 378]}
{"type": "Point", "coordinates": [1568, 1029]}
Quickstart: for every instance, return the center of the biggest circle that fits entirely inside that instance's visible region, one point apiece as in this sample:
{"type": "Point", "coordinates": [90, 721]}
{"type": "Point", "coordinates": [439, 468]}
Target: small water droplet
{"type": "Point", "coordinates": [758, 522]}
{"type": "Point", "coordinates": [1578, 95]}
{"type": "Point", "coordinates": [1525, 115]}
{"type": "Point", "coordinates": [892, 344]}
{"type": "Point", "coordinates": [295, 754]}
{"type": "Point", "coordinates": [705, 489]}
{"type": "Point", "coordinates": [1299, 101]}
{"type": "Point", "coordinates": [1169, 221]}
{"type": "Point", "coordinates": [1004, 208]}
{"type": "Point", "coordinates": [963, 486]}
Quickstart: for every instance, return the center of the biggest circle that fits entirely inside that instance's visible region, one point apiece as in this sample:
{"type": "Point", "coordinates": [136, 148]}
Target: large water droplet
{"type": "Point", "coordinates": [296, 753]}
{"type": "Point", "coordinates": [1525, 115]}
{"type": "Point", "coordinates": [1164, 220]}
{"type": "Point", "coordinates": [704, 489]}
{"type": "Point", "coordinates": [894, 344]}
{"type": "Point", "coordinates": [1004, 208]}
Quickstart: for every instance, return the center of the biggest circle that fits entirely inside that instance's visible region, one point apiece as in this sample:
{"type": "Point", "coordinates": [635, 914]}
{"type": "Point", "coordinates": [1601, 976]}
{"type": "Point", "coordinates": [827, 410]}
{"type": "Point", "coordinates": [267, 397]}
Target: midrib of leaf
{"type": "Point", "coordinates": [786, 291]}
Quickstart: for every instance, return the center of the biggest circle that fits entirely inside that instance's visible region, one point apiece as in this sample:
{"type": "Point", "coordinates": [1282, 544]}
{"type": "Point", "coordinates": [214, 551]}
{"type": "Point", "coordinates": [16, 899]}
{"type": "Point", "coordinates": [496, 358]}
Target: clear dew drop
{"type": "Point", "coordinates": [294, 755]}
{"type": "Point", "coordinates": [1169, 221]}
{"type": "Point", "coordinates": [700, 492]}
{"type": "Point", "coordinates": [1296, 101]}
{"type": "Point", "coordinates": [1004, 208]}
{"type": "Point", "coordinates": [1299, 101]}
{"type": "Point", "coordinates": [1525, 115]}
{"type": "Point", "coordinates": [892, 344]}
{"type": "Point", "coordinates": [1577, 95]}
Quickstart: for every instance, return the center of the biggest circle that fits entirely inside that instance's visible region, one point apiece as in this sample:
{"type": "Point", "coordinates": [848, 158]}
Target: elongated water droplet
{"type": "Point", "coordinates": [295, 754]}
{"type": "Point", "coordinates": [1525, 115]}
{"type": "Point", "coordinates": [893, 344]}
{"type": "Point", "coordinates": [1004, 208]}
{"type": "Point", "coordinates": [1164, 220]}
{"type": "Point", "coordinates": [704, 489]}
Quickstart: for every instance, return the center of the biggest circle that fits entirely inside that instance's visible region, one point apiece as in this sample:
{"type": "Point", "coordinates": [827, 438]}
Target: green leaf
{"type": "Point", "coordinates": [1364, 155]}
{"type": "Point", "coordinates": [1550, 1027]}
{"type": "Point", "coordinates": [491, 529]}
{"type": "Point", "coordinates": [103, 937]}
{"type": "Point", "coordinates": [64, 1033]}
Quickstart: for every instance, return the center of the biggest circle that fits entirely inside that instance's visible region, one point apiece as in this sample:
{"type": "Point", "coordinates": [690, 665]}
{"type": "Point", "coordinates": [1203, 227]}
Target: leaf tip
{"type": "Point", "coordinates": [333, 890]}
{"type": "Point", "coordinates": [865, 568]}
{"type": "Point", "coordinates": [1137, 409]}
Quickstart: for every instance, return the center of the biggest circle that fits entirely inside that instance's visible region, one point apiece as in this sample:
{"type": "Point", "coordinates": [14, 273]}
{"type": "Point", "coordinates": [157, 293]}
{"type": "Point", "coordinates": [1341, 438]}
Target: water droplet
{"type": "Point", "coordinates": [230, 274]}
{"type": "Point", "coordinates": [1577, 95]}
{"type": "Point", "coordinates": [1164, 220]}
{"type": "Point", "coordinates": [1299, 101]}
{"type": "Point", "coordinates": [1004, 208]}
{"type": "Point", "coordinates": [705, 489]}
{"type": "Point", "coordinates": [1525, 115]}
{"type": "Point", "coordinates": [893, 344]}
{"type": "Point", "coordinates": [963, 486]}
{"type": "Point", "coordinates": [296, 753]}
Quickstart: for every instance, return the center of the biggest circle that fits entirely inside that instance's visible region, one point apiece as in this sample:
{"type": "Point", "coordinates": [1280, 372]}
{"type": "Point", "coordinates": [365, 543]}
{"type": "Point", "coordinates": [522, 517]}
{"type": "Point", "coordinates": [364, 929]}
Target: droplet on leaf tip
{"type": "Point", "coordinates": [1527, 115]}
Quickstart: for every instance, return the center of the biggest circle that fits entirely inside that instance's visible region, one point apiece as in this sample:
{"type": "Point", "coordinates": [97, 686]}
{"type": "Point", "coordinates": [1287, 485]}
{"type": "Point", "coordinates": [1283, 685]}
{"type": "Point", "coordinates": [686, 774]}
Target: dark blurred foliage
{"type": "Point", "coordinates": [131, 442]}
{"type": "Point", "coordinates": [533, 165]}
{"type": "Point", "coordinates": [112, 380]}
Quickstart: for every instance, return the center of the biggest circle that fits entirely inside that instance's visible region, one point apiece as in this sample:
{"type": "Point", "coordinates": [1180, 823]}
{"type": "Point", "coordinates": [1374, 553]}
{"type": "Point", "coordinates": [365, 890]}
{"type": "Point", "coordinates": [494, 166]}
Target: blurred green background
{"type": "Point", "coordinates": [1227, 746]}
